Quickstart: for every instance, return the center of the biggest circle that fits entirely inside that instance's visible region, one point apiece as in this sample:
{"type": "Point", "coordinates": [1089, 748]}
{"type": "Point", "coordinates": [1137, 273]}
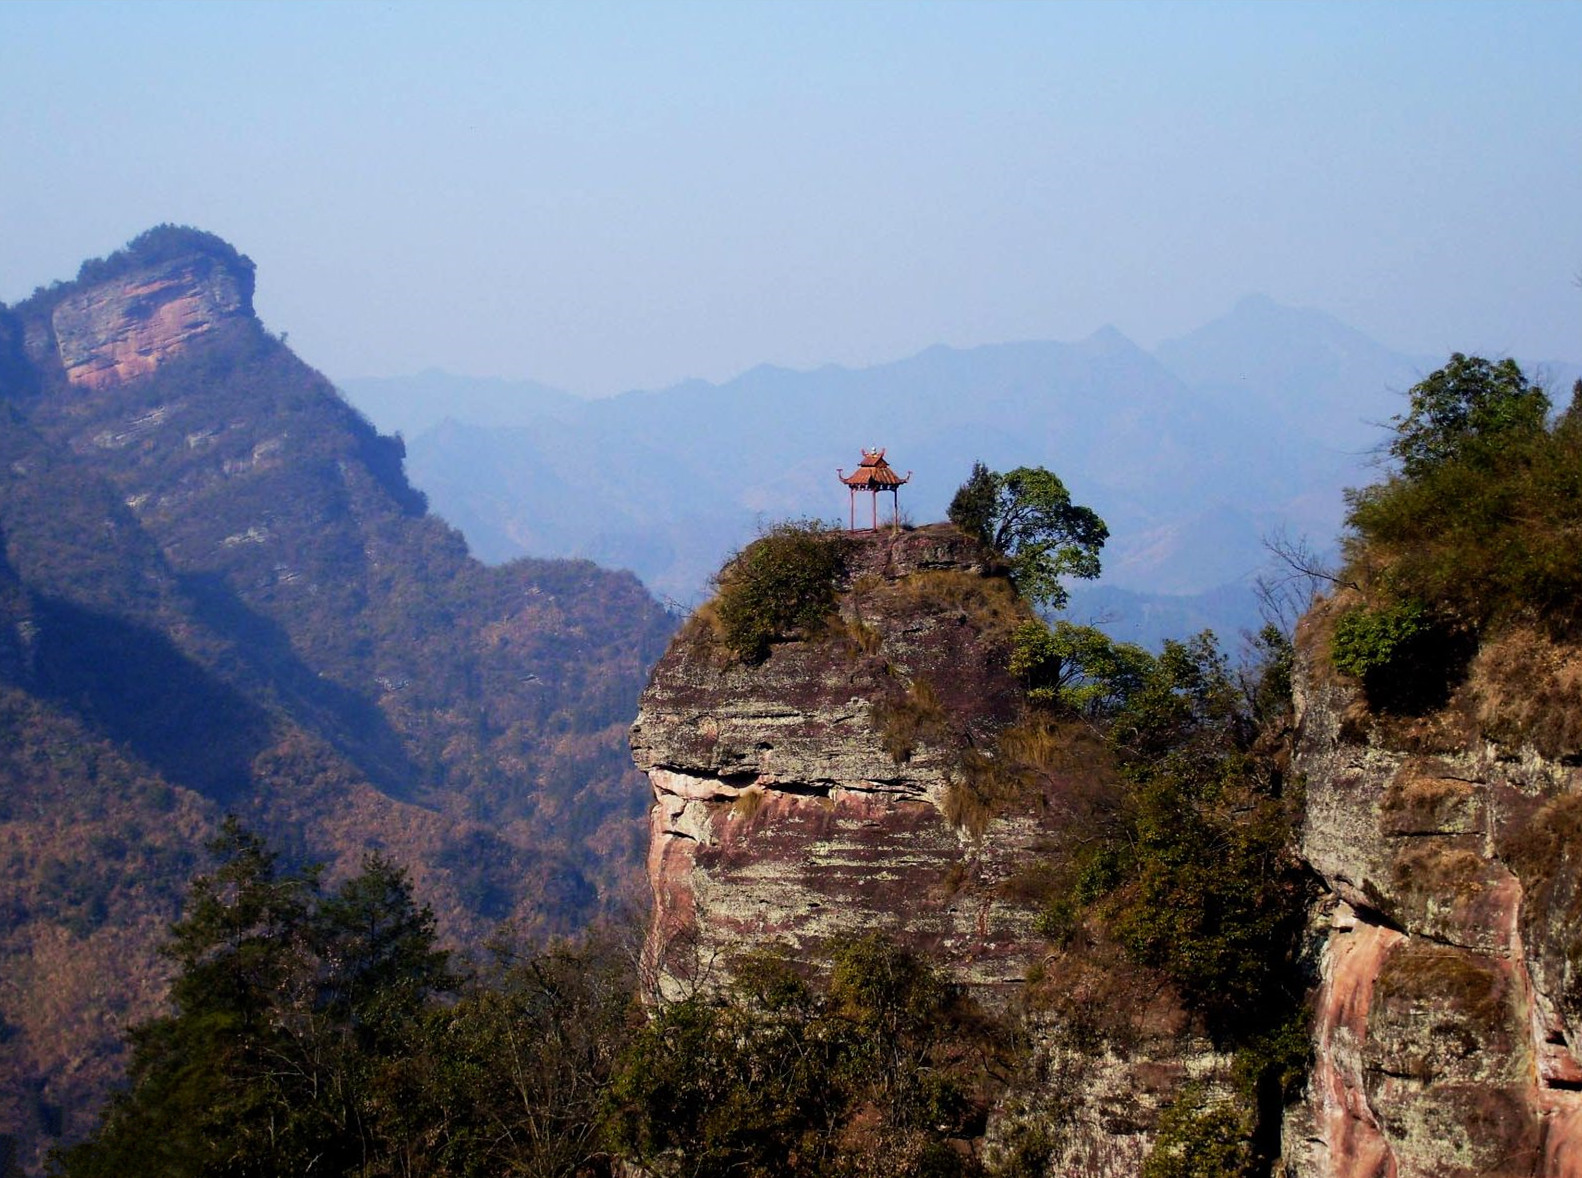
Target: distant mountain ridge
{"type": "Point", "coordinates": [1253, 423]}
{"type": "Point", "coordinates": [218, 592]}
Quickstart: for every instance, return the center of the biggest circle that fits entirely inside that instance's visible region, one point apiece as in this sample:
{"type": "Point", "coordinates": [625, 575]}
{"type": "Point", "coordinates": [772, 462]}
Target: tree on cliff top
{"type": "Point", "coordinates": [1475, 533]}
{"type": "Point", "coordinates": [1027, 515]}
{"type": "Point", "coordinates": [1463, 407]}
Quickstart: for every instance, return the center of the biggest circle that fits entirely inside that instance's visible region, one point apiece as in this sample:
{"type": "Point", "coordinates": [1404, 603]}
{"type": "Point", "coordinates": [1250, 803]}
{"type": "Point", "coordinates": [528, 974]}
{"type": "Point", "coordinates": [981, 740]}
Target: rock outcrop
{"type": "Point", "coordinates": [1448, 1024]}
{"type": "Point", "coordinates": [830, 790]}
{"type": "Point", "coordinates": [779, 812]}
{"type": "Point", "coordinates": [129, 324]}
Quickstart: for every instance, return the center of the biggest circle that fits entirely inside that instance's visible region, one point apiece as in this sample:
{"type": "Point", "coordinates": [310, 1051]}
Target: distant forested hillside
{"type": "Point", "coordinates": [219, 593]}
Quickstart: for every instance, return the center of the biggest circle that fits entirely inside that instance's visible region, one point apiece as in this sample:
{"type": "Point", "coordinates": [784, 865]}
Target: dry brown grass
{"type": "Point", "coordinates": [1526, 688]}
{"type": "Point", "coordinates": [1036, 882]}
{"type": "Point", "coordinates": [748, 802]}
{"type": "Point", "coordinates": [1433, 975]}
{"type": "Point", "coordinates": [1040, 761]}
{"type": "Point", "coordinates": [1419, 793]}
{"type": "Point", "coordinates": [917, 718]}
{"type": "Point", "coordinates": [991, 603]}
{"type": "Point", "coordinates": [863, 639]}
{"type": "Point", "coordinates": [1439, 870]}
{"type": "Point", "coordinates": [975, 794]}
{"type": "Point", "coordinates": [1548, 843]}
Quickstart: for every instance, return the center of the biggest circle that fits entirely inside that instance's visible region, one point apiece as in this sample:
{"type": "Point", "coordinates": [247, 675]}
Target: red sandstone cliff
{"type": "Point", "coordinates": [821, 792]}
{"type": "Point", "coordinates": [1449, 1016]}
{"type": "Point", "coordinates": [779, 813]}
{"type": "Point", "coordinates": [136, 319]}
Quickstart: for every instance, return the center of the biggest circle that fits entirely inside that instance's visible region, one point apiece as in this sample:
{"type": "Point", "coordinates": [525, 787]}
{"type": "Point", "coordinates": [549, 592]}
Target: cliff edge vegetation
{"type": "Point", "coordinates": [1438, 734]}
{"type": "Point", "coordinates": [1092, 843]}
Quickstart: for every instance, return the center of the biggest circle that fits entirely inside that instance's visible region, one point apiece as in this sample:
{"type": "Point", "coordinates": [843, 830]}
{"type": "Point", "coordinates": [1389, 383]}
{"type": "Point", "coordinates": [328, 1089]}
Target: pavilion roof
{"type": "Point", "coordinates": [874, 473]}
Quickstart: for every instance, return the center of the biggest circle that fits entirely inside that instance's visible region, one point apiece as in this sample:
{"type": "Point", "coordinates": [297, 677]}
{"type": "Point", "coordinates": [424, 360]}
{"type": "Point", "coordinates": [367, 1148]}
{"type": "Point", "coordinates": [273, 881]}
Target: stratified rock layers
{"type": "Point", "coordinates": [780, 814]}
{"type": "Point", "coordinates": [827, 792]}
{"type": "Point", "coordinates": [1447, 1020]}
{"type": "Point", "coordinates": [119, 330]}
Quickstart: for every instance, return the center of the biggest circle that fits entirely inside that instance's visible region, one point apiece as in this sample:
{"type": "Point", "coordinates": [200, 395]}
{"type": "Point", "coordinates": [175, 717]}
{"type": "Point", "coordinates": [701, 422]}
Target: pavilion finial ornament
{"type": "Point", "coordinates": [874, 475]}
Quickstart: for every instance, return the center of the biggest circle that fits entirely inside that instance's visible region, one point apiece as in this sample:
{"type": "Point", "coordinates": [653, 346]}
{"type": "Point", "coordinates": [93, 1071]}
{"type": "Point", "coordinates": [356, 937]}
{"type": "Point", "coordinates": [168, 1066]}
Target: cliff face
{"type": "Point", "coordinates": [779, 812]}
{"type": "Point", "coordinates": [126, 328]}
{"type": "Point", "coordinates": [1448, 1021]}
{"type": "Point", "coordinates": [126, 316]}
{"type": "Point", "coordinates": [829, 790]}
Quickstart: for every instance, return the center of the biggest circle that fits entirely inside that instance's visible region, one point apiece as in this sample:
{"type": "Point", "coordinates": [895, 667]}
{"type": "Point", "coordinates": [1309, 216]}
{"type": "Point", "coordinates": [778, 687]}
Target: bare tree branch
{"type": "Point", "coordinates": [1294, 581]}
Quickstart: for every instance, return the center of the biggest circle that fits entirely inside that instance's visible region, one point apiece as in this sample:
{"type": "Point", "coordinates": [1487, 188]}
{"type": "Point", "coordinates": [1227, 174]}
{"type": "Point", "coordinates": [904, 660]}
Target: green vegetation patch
{"type": "Point", "coordinates": [782, 585]}
{"type": "Point", "coordinates": [1478, 530]}
{"type": "Point", "coordinates": [1201, 1139]}
{"type": "Point", "coordinates": [868, 1069]}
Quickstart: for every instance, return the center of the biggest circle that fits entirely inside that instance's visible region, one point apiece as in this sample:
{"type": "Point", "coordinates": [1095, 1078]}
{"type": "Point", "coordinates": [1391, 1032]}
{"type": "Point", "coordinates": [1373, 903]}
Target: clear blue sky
{"type": "Point", "coordinates": [609, 196]}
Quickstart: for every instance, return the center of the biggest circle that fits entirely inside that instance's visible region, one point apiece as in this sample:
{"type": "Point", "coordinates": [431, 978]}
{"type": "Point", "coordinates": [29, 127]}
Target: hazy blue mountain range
{"type": "Point", "coordinates": [1192, 453]}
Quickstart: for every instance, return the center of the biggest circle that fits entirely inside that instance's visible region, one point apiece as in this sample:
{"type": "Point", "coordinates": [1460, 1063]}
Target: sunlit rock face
{"type": "Point", "coordinates": [781, 816]}
{"type": "Point", "coordinates": [126, 327]}
{"type": "Point", "coordinates": [1449, 1015]}
{"type": "Point", "coordinates": [788, 812]}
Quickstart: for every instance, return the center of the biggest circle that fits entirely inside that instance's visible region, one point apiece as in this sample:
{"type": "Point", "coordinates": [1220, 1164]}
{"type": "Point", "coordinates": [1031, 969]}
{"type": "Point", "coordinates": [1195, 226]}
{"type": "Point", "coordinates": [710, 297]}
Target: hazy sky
{"type": "Point", "coordinates": [609, 196]}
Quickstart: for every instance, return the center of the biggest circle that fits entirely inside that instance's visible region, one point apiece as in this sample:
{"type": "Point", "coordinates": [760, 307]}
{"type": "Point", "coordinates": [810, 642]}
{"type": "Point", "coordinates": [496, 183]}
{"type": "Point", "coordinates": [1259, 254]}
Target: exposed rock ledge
{"type": "Point", "coordinates": [780, 816]}
{"type": "Point", "coordinates": [123, 328]}
{"type": "Point", "coordinates": [1447, 1028]}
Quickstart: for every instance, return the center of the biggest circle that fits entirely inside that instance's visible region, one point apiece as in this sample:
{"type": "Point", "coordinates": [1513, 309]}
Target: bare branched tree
{"type": "Point", "coordinates": [1296, 576]}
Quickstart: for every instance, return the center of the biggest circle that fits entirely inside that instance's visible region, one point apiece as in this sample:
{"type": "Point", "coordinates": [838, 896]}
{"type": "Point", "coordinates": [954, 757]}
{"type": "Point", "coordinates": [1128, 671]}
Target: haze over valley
{"type": "Point", "coordinates": [447, 728]}
{"type": "Point", "coordinates": [1247, 428]}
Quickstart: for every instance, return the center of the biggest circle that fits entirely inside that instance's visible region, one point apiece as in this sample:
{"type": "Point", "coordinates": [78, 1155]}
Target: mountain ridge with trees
{"type": "Point", "coordinates": [219, 593]}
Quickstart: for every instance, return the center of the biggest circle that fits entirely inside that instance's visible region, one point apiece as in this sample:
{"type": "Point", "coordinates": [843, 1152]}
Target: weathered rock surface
{"type": "Point", "coordinates": [779, 813]}
{"type": "Point", "coordinates": [788, 809]}
{"type": "Point", "coordinates": [126, 327]}
{"type": "Point", "coordinates": [1448, 1022]}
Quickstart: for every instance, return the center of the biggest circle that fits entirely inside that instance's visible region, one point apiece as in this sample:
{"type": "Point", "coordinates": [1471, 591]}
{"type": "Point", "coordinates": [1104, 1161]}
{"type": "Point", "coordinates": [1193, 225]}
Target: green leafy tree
{"type": "Point", "coordinates": [1076, 667]}
{"type": "Point", "coordinates": [1027, 515]}
{"type": "Point", "coordinates": [1197, 1139]}
{"type": "Point", "coordinates": [1476, 532]}
{"type": "Point", "coordinates": [288, 1007]}
{"type": "Point", "coordinates": [859, 1073]}
{"type": "Point", "coordinates": [1462, 407]}
{"type": "Point", "coordinates": [972, 507]}
{"type": "Point", "coordinates": [1199, 879]}
{"type": "Point", "coordinates": [514, 1077]}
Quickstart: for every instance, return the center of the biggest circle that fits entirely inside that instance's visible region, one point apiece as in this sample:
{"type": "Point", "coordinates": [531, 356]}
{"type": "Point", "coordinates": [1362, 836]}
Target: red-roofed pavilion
{"type": "Point", "coordinates": [874, 475]}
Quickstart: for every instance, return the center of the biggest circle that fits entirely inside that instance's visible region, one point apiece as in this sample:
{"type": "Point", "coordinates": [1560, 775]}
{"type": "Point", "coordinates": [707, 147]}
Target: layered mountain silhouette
{"type": "Point", "coordinates": [1194, 453]}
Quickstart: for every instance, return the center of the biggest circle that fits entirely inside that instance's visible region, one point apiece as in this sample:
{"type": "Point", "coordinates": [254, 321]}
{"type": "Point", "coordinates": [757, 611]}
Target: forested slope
{"type": "Point", "coordinates": [218, 593]}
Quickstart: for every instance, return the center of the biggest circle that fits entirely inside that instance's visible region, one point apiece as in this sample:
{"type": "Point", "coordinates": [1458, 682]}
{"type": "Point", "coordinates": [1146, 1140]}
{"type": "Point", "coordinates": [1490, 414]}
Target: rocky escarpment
{"type": "Point", "coordinates": [125, 324]}
{"type": "Point", "coordinates": [834, 788]}
{"type": "Point", "coordinates": [781, 814]}
{"type": "Point", "coordinates": [1448, 1021]}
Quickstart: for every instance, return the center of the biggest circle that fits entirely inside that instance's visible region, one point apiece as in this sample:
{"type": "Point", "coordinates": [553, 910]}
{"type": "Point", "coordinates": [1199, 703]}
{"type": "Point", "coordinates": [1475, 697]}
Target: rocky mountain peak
{"type": "Point", "coordinates": [127, 314]}
{"type": "Point", "coordinates": [815, 793]}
